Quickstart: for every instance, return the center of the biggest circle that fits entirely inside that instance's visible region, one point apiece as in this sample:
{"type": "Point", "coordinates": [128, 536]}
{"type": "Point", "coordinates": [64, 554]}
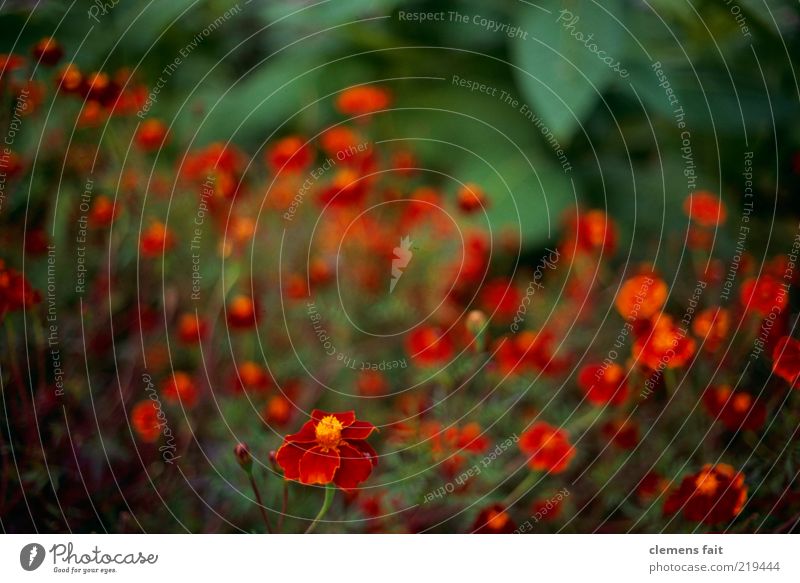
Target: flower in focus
{"type": "Point", "coordinates": [548, 448]}
{"type": "Point", "coordinates": [786, 360]}
{"type": "Point", "coordinates": [736, 410]}
{"type": "Point", "coordinates": [362, 100]}
{"type": "Point", "coordinates": [144, 418]}
{"type": "Point", "coordinates": [331, 447]}
{"type": "Point", "coordinates": [713, 495]}
{"type": "Point", "coordinates": [603, 385]}
{"type": "Point", "coordinates": [641, 296]}
{"type": "Point", "coordinates": [705, 208]}
{"type": "Point", "coordinates": [180, 389]}
{"type": "Point", "coordinates": [493, 520]}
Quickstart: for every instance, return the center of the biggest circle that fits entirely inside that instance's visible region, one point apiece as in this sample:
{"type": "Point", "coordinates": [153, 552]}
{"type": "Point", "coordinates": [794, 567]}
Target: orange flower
{"type": "Point", "coordinates": [242, 312]}
{"type": "Point", "coordinates": [253, 377]}
{"type": "Point", "coordinates": [278, 410]}
{"type": "Point", "coordinates": [151, 135]}
{"type": "Point", "coordinates": [763, 295]}
{"type": "Point", "coordinates": [144, 418]}
{"type": "Point", "coordinates": [191, 328]}
{"type": "Point", "coordinates": [603, 385]}
{"type": "Point", "coordinates": [736, 410]}
{"type": "Point", "coordinates": [10, 63]}
{"type": "Point", "coordinates": [705, 208]}
{"type": "Point", "coordinates": [591, 232]}
{"type": "Point", "coordinates": [104, 212]}
{"type": "Point", "coordinates": [331, 447]}
{"type": "Point", "coordinates": [712, 326]}
{"type": "Point", "coordinates": [664, 345]}
{"type": "Point", "coordinates": [501, 299]}
{"type": "Point", "coordinates": [429, 346]}
{"type": "Point", "coordinates": [786, 360]}
{"type": "Point", "coordinates": [713, 495]}
{"type": "Point", "coordinates": [70, 79]}
{"type": "Point", "coordinates": [548, 448]}
{"type": "Point", "coordinates": [641, 296]}
{"type": "Point", "coordinates": [471, 198]}
{"type": "Point", "coordinates": [363, 100]}
{"type": "Point", "coordinates": [47, 52]}
{"type": "Point", "coordinates": [340, 142]}
{"type": "Point", "coordinates": [290, 154]}
{"type": "Point", "coordinates": [493, 520]}
{"type": "Point", "coordinates": [180, 389]}
{"type": "Point", "coordinates": [156, 240]}
{"type": "Point", "coordinates": [371, 383]}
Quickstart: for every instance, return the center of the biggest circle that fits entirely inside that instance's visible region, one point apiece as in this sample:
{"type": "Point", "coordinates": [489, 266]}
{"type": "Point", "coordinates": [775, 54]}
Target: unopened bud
{"type": "Point", "coordinates": [242, 453]}
{"type": "Point", "coordinates": [476, 326]}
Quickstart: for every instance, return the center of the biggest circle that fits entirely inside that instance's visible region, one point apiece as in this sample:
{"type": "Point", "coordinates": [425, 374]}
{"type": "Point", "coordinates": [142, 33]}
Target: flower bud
{"type": "Point", "coordinates": [242, 453]}
{"type": "Point", "coordinates": [476, 326]}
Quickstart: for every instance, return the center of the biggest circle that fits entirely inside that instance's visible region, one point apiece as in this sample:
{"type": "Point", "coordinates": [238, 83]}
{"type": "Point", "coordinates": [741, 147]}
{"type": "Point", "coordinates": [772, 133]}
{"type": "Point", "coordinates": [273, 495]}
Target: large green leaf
{"type": "Point", "coordinates": [560, 69]}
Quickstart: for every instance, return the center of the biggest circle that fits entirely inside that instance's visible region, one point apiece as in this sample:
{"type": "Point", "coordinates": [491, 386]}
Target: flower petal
{"type": "Point", "coordinates": [319, 465]}
{"type": "Point", "coordinates": [288, 457]}
{"type": "Point", "coordinates": [347, 418]}
{"type": "Point", "coordinates": [358, 430]}
{"type": "Point", "coordinates": [307, 434]}
{"type": "Point", "coordinates": [365, 449]}
{"type": "Point", "coordinates": [355, 467]}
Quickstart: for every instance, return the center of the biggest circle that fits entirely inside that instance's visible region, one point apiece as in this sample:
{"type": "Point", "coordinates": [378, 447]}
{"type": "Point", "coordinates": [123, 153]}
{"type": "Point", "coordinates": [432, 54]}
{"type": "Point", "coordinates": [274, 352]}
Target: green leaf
{"type": "Point", "coordinates": [560, 66]}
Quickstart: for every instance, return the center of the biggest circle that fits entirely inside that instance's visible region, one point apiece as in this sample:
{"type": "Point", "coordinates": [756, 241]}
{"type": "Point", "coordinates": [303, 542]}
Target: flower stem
{"type": "Point", "coordinates": [326, 504]}
{"type": "Point", "coordinates": [285, 504]}
{"type": "Point", "coordinates": [260, 503]}
{"type": "Point", "coordinates": [521, 489]}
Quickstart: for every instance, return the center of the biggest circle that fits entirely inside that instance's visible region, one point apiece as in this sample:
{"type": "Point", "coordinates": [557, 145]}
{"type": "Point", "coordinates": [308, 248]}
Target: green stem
{"type": "Point", "coordinates": [326, 504]}
{"type": "Point", "coordinates": [260, 503]}
{"type": "Point", "coordinates": [521, 489]}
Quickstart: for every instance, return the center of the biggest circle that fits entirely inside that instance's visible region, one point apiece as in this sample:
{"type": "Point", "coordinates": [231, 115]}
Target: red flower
{"type": "Point", "coordinates": [590, 232]}
{"type": "Point", "coordinates": [428, 346]}
{"type": "Point", "coordinates": [363, 100]}
{"type": "Point", "coordinates": [253, 377]}
{"type": "Point", "coordinates": [144, 418]}
{"type": "Point", "coordinates": [471, 198]}
{"type": "Point", "coordinates": [278, 410]}
{"type": "Point", "coordinates": [548, 448]}
{"type": "Point", "coordinates": [191, 328]}
{"type": "Point", "coordinates": [664, 345]}
{"type": "Point", "coordinates": [10, 63]}
{"type": "Point", "coordinates": [70, 80]}
{"type": "Point", "coordinates": [104, 212]}
{"type": "Point", "coordinates": [603, 385]}
{"type": "Point", "coordinates": [737, 410]}
{"type": "Point", "coordinates": [242, 312]}
{"type": "Point", "coordinates": [290, 154]}
{"type": "Point", "coordinates": [712, 326]}
{"type": "Point", "coordinates": [786, 360]}
{"type": "Point", "coordinates": [715, 494]}
{"type": "Point", "coordinates": [501, 299]}
{"type": "Point", "coordinates": [156, 239]}
{"type": "Point", "coordinates": [493, 520]}
{"type": "Point", "coordinates": [705, 208]}
{"type": "Point", "coordinates": [371, 383]}
{"type": "Point", "coordinates": [763, 295]}
{"type": "Point", "coordinates": [641, 296]}
{"type": "Point", "coordinates": [331, 447]}
{"type": "Point", "coordinates": [151, 135]}
{"type": "Point", "coordinates": [15, 291]}
{"type": "Point", "coordinates": [48, 52]}
{"type": "Point", "coordinates": [180, 389]}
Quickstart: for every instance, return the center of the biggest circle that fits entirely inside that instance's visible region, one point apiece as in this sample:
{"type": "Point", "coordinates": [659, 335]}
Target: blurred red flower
{"type": "Point", "coordinates": [763, 295]}
{"type": "Point", "coordinates": [548, 448]}
{"type": "Point", "coordinates": [705, 208]}
{"type": "Point", "coordinates": [331, 447]}
{"type": "Point", "coordinates": [603, 384]}
{"type": "Point", "coordinates": [713, 495]}
{"type": "Point", "coordinates": [428, 346]}
{"type": "Point", "coordinates": [144, 418]}
{"type": "Point", "coordinates": [363, 100]}
{"type": "Point", "coordinates": [736, 410]}
{"type": "Point", "coordinates": [493, 520]}
{"type": "Point", "coordinates": [786, 360]}
{"type": "Point", "coordinates": [180, 389]}
{"type": "Point", "coordinates": [290, 154]}
{"type": "Point", "coordinates": [641, 296]}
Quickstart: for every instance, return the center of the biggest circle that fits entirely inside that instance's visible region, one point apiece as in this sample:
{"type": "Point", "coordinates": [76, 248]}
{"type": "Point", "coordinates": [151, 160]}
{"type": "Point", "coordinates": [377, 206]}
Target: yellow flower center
{"type": "Point", "coordinates": [706, 483]}
{"type": "Point", "coordinates": [329, 432]}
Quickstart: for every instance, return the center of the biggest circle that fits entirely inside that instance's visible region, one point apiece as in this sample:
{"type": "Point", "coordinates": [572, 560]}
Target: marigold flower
{"type": "Point", "coordinates": [103, 212]}
{"type": "Point", "coordinates": [493, 520]}
{"type": "Point", "coordinates": [242, 312]}
{"type": "Point", "coordinates": [10, 63]}
{"type": "Point", "coordinates": [253, 376]}
{"type": "Point", "coordinates": [16, 293]}
{"type": "Point", "coordinates": [290, 154]}
{"type": "Point", "coordinates": [712, 325]}
{"type": "Point", "coordinates": [156, 239]}
{"type": "Point", "coordinates": [624, 433]}
{"type": "Point", "coordinates": [371, 383]}
{"type": "Point", "coordinates": [278, 410]}
{"type": "Point", "coordinates": [331, 447]}
{"type": "Point", "coordinates": [364, 99]}
{"type": "Point", "coordinates": [786, 360]}
{"type": "Point", "coordinates": [713, 495]}
{"type": "Point", "coordinates": [191, 328]}
{"type": "Point", "coordinates": [641, 296]}
{"type": "Point", "coordinates": [145, 421]}
{"type": "Point", "coordinates": [180, 389]}
{"type": "Point", "coordinates": [764, 295]}
{"type": "Point", "coordinates": [70, 79]}
{"type": "Point", "coordinates": [151, 135]}
{"type": "Point", "coordinates": [591, 232]}
{"type": "Point", "coordinates": [547, 447]}
{"type": "Point", "coordinates": [603, 385]}
{"type": "Point", "coordinates": [428, 346]}
{"type": "Point", "coordinates": [472, 198]}
{"type": "Point", "coordinates": [501, 299]}
{"type": "Point", "coordinates": [48, 52]}
{"type": "Point", "coordinates": [664, 345]}
{"type": "Point", "coordinates": [705, 208]}
{"type": "Point", "coordinates": [736, 410]}
{"type": "Point", "coordinates": [341, 142]}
